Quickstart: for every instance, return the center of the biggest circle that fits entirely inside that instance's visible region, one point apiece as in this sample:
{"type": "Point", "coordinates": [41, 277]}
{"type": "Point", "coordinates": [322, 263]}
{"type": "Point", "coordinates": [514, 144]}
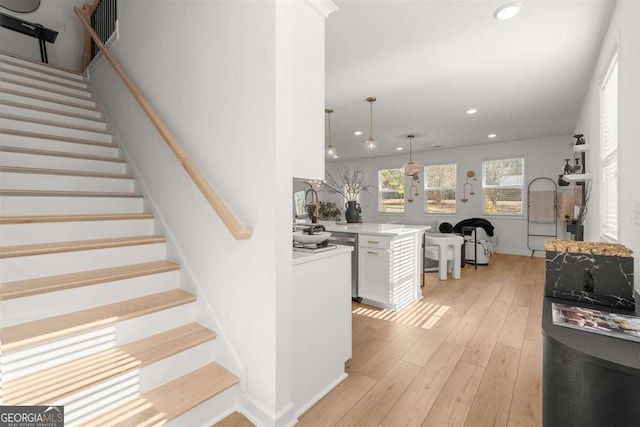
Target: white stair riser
{"type": "Point", "coordinates": [54, 130]}
{"type": "Point", "coordinates": [55, 145]}
{"type": "Point", "coordinates": [28, 360]}
{"type": "Point", "coordinates": [10, 67]}
{"type": "Point", "coordinates": [201, 415]}
{"type": "Point", "coordinates": [41, 66]}
{"type": "Point", "coordinates": [26, 309]}
{"type": "Point", "coordinates": [48, 94]}
{"type": "Point", "coordinates": [36, 181]}
{"type": "Point", "coordinates": [56, 162]}
{"type": "Point", "coordinates": [75, 91]}
{"type": "Point", "coordinates": [48, 104]}
{"type": "Point", "coordinates": [91, 402]}
{"type": "Point", "coordinates": [25, 234]}
{"type": "Point", "coordinates": [29, 267]}
{"type": "Point", "coordinates": [42, 115]}
{"type": "Point", "coordinates": [44, 205]}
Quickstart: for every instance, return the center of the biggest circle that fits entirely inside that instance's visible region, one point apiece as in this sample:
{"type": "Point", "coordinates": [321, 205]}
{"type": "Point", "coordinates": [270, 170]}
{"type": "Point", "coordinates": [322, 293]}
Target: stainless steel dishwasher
{"type": "Point", "coordinates": [349, 239]}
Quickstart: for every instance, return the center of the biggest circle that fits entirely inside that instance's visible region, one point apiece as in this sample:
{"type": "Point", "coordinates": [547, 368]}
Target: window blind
{"type": "Point", "coordinates": [609, 152]}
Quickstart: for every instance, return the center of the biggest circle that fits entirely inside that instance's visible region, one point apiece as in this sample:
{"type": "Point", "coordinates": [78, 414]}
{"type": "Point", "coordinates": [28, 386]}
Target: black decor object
{"type": "Point", "coordinates": [352, 213]}
{"type": "Point", "coordinates": [42, 33]}
{"type": "Point", "coordinates": [593, 279]}
{"type": "Point", "coordinates": [20, 6]}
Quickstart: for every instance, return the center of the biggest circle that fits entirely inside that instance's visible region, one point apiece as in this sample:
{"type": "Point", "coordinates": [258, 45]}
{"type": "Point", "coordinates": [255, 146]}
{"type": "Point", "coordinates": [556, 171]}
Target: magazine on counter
{"type": "Point", "coordinates": [597, 321]}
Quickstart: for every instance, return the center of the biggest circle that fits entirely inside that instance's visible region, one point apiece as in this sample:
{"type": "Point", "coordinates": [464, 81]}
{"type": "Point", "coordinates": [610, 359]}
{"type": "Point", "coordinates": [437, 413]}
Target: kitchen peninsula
{"type": "Point", "coordinates": [388, 264]}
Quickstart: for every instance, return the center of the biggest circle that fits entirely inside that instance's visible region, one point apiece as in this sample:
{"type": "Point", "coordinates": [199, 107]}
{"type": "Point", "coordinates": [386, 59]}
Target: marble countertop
{"type": "Point", "coordinates": [376, 229]}
{"type": "Point", "coordinates": [303, 257]}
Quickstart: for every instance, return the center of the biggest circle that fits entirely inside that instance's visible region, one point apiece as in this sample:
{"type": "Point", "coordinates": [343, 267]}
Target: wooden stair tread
{"type": "Point", "coordinates": [42, 171]}
{"type": "Point", "coordinates": [39, 331]}
{"type": "Point", "coordinates": [51, 111]}
{"type": "Point", "coordinates": [67, 154]}
{"type": "Point", "coordinates": [61, 138]}
{"type": "Point", "coordinates": [40, 285]}
{"type": "Point", "coordinates": [170, 400]}
{"type": "Point", "coordinates": [53, 384]}
{"type": "Point", "coordinates": [40, 70]}
{"type": "Point", "coordinates": [47, 99]}
{"type": "Point", "coordinates": [76, 245]}
{"type": "Point", "coordinates": [55, 124]}
{"type": "Point", "coordinates": [33, 219]}
{"type": "Point", "coordinates": [48, 89]}
{"type": "Point", "coordinates": [44, 80]}
{"type": "Point", "coordinates": [60, 193]}
{"type": "Point", "coordinates": [22, 58]}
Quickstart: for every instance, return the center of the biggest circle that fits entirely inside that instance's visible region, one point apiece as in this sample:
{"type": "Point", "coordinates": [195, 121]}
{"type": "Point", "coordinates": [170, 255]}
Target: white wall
{"type": "Point", "coordinates": [59, 16]}
{"type": "Point", "coordinates": [209, 68]}
{"type": "Point", "coordinates": [543, 157]}
{"type": "Point", "coordinates": [624, 32]}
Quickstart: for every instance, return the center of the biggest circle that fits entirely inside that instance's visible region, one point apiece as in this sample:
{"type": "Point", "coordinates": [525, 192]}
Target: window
{"type": "Point", "coordinates": [609, 152]}
{"type": "Point", "coordinates": [502, 186]}
{"type": "Point", "coordinates": [391, 191]}
{"type": "Point", "coordinates": [440, 189]}
{"type": "Point", "coordinates": [300, 203]}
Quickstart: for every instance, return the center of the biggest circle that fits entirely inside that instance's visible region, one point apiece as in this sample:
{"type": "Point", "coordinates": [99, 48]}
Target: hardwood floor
{"type": "Point", "coordinates": [468, 354]}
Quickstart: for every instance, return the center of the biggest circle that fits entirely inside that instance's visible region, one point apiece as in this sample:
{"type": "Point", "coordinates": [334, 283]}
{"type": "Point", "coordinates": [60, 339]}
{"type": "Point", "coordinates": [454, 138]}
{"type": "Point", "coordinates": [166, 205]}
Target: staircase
{"type": "Point", "coordinates": [92, 314]}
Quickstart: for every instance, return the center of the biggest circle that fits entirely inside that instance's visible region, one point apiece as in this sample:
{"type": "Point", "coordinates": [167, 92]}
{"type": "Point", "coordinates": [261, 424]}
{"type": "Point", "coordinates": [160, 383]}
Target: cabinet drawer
{"type": "Point", "coordinates": [373, 241]}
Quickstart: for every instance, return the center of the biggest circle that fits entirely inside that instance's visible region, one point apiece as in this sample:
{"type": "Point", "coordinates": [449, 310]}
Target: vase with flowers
{"type": "Point", "coordinates": [349, 183]}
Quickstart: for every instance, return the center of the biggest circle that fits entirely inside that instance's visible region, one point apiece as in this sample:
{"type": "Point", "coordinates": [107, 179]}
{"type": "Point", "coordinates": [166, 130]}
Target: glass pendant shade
{"type": "Point", "coordinates": [331, 152]}
{"type": "Point", "coordinates": [411, 169]}
{"type": "Point", "coordinates": [371, 146]}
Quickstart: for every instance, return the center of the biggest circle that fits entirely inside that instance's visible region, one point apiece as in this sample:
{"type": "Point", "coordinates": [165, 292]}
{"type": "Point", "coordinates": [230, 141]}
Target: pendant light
{"type": "Point", "coordinates": [331, 151]}
{"type": "Point", "coordinates": [371, 146]}
{"type": "Point", "coordinates": [412, 169]}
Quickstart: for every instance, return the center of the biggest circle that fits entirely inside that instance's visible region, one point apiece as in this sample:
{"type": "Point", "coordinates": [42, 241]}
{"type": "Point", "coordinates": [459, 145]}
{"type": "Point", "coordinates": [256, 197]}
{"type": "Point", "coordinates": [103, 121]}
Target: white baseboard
{"type": "Point", "coordinates": [304, 408]}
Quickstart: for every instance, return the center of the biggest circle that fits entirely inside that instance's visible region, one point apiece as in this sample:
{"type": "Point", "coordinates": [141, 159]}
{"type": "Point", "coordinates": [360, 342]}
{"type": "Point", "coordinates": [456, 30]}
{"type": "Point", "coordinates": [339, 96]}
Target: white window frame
{"type": "Point", "coordinates": [381, 190]}
{"type": "Point", "coordinates": [521, 187]}
{"type": "Point", "coordinates": [454, 188]}
{"type": "Point", "coordinates": [609, 154]}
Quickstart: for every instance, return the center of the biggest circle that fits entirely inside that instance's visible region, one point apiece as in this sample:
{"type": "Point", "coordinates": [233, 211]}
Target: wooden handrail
{"type": "Point", "coordinates": [239, 231]}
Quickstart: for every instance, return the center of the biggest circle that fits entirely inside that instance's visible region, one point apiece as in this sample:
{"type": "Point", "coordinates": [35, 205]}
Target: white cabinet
{"type": "Point", "coordinates": [373, 267]}
{"type": "Point", "coordinates": [321, 325]}
{"type": "Point", "coordinates": [389, 269]}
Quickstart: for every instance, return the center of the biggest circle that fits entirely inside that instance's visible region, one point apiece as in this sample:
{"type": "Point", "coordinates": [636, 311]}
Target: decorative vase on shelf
{"type": "Point", "coordinates": [352, 214]}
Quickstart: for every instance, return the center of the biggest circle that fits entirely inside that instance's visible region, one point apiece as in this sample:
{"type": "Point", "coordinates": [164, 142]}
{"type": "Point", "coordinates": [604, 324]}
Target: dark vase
{"type": "Point", "coordinates": [353, 211]}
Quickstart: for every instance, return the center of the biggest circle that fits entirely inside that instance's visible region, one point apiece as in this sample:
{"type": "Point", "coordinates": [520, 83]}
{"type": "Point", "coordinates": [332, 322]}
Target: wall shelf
{"type": "Point", "coordinates": [578, 177]}
{"type": "Point", "coordinates": [581, 148]}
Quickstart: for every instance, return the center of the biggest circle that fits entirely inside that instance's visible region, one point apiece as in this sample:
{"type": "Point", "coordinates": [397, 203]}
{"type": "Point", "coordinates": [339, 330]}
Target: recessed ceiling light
{"type": "Point", "coordinates": [357, 133]}
{"type": "Point", "coordinates": [399, 148]}
{"type": "Point", "coordinates": [507, 11]}
{"type": "Point", "coordinates": [492, 135]}
{"type": "Point", "coordinates": [472, 110]}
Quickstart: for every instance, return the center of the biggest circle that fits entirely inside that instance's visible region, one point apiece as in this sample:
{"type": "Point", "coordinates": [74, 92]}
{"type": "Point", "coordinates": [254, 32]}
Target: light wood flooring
{"type": "Point", "coordinates": [468, 354]}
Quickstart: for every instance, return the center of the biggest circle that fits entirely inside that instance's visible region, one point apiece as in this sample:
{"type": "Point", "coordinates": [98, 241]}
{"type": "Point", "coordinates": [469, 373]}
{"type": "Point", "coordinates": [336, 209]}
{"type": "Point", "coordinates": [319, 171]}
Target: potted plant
{"type": "Point", "coordinates": [349, 184]}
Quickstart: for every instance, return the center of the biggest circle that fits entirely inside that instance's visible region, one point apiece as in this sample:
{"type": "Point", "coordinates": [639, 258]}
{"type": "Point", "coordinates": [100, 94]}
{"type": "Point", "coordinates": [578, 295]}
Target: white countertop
{"type": "Point", "coordinates": [302, 257]}
{"type": "Point", "coordinates": [376, 229]}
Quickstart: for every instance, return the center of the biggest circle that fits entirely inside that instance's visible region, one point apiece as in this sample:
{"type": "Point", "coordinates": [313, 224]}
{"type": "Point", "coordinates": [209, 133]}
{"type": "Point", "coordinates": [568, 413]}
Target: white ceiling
{"type": "Point", "coordinates": [428, 61]}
